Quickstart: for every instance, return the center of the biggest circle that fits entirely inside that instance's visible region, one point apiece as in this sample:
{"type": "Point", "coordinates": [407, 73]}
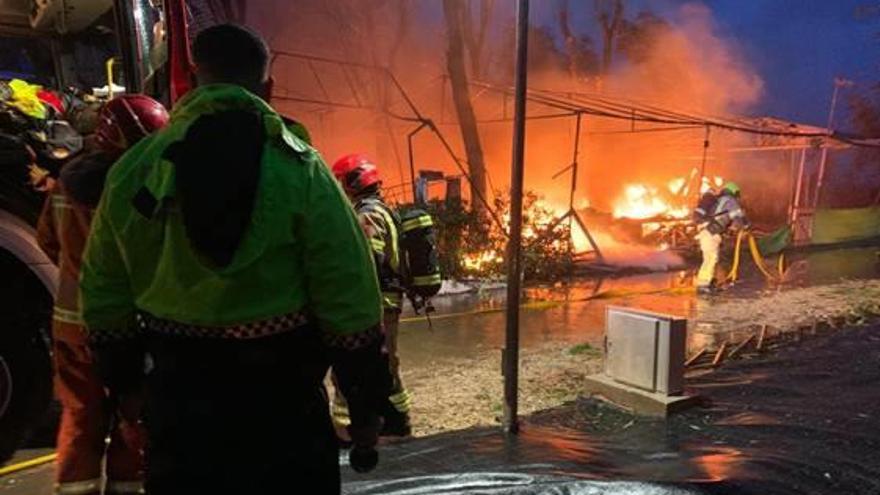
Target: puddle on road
{"type": "Point", "coordinates": [576, 321]}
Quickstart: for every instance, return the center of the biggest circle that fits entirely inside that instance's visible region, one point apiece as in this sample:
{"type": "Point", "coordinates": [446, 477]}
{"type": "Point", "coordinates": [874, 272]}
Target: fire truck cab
{"type": "Point", "coordinates": [84, 51]}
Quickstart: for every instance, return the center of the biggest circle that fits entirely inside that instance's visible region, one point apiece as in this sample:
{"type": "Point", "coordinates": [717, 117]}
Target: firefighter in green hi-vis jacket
{"type": "Point", "coordinates": [227, 263]}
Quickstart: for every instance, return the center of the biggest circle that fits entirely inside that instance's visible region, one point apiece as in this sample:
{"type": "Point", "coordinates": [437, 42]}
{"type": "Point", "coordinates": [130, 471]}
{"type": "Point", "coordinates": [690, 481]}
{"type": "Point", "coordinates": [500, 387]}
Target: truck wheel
{"type": "Point", "coordinates": [25, 365]}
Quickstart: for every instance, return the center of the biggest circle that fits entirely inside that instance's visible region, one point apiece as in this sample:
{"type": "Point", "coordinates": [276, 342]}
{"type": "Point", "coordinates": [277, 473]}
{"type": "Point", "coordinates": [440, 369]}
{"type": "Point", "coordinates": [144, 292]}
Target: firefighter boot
{"type": "Point", "coordinates": [396, 416]}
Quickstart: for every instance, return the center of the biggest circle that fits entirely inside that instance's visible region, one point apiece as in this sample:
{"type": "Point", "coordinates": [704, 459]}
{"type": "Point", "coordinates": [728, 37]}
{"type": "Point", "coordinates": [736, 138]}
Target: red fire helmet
{"type": "Point", "coordinates": [125, 120]}
{"type": "Point", "coordinates": [356, 172]}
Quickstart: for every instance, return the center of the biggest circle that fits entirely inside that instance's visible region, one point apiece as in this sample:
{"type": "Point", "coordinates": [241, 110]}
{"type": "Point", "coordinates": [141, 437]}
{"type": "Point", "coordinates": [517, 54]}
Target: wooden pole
{"type": "Point", "coordinates": [719, 356]}
{"type": "Point", "coordinates": [514, 254]}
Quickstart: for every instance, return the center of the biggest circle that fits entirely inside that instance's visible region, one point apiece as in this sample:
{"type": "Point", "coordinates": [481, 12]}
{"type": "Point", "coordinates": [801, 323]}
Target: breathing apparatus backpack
{"type": "Point", "coordinates": [419, 269]}
{"type": "Point", "coordinates": [420, 264]}
{"type": "Point", "coordinates": [705, 207]}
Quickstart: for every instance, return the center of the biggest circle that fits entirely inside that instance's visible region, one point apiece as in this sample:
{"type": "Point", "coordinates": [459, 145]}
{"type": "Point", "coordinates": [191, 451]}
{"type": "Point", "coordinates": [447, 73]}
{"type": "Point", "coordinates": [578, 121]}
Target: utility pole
{"type": "Point", "coordinates": [510, 356]}
{"type": "Point", "coordinates": [839, 82]}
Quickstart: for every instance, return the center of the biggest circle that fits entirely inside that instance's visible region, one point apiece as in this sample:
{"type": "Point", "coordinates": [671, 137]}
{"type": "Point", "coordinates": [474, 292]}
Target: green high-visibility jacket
{"type": "Point", "coordinates": [303, 251]}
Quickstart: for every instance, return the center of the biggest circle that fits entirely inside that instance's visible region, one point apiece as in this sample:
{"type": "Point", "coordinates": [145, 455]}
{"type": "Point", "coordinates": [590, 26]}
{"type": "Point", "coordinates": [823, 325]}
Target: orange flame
{"type": "Point", "coordinates": [641, 201]}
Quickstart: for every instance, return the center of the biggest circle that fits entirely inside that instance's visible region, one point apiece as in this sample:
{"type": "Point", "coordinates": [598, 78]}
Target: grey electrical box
{"type": "Point", "coordinates": [645, 350]}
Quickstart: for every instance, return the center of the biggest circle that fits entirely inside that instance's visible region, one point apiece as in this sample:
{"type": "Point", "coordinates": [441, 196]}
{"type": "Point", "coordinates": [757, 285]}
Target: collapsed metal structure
{"type": "Point", "coordinates": [775, 134]}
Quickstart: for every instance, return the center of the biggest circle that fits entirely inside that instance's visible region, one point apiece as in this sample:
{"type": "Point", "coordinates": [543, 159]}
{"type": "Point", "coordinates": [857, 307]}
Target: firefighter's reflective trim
{"type": "Point", "coordinates": [392, 299]}
{"type": "Point", "coordinates": [420, 221]}
{"type": "Point", "coordinates": [67, 316]}
{"type": "Point", "coordinates": [401, 401]}
{"type": "Point", "coordinates": [728, 211]}
{"type": "Point", "coordinates": [427, 279]}
{"type": "Point", "coordinates": [121, 487]}
{"type": "Point", "coordinates": [378, 244]}
{"type": "Point", "coordinates": [394, 262]}
{"type": "Point", "coordinates": [339, 411]}
{"type": "Point", "coordinates": [59, 201]}
{"type": "Point", "coordinates": [59, 206]}
{"type": "Point", "coordinates": [78, 487]}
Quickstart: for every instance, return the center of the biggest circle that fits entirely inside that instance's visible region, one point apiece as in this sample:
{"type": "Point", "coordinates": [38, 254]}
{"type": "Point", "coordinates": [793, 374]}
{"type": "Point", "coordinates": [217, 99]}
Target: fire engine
{"type": "Point", "coordinates": [82, 52]}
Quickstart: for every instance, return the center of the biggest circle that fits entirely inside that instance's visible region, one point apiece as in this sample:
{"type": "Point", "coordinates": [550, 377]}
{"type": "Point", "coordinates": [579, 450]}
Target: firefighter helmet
{"type": "Point", "coordinates": [125, 120]}
{"type": "Point", "coordinates": [731, 188]}
{"type": "Point", "coordinates": [356, 173]}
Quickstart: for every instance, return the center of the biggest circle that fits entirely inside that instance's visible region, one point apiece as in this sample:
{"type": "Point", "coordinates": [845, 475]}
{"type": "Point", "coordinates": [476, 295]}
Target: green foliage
{"type": "Point", "coordinates": [473, 245]}
{"type": "Point", "coordinates": [584, 348]}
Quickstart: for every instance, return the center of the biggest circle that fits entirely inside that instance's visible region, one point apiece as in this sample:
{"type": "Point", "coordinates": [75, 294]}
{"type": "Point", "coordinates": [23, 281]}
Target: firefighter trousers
{"type": "Point", "coordinates": [710, 244]}
{"type": "Point", "coordinates": [88, 417]}
{"type": "Point", "coordinates": [239, 416]}
{"type": "Point", "coordinates": [399, 400]}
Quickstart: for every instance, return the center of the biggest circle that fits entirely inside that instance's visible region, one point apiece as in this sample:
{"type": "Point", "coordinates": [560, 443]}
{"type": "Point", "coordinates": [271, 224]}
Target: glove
{"type": "Point", "coordinates": [363, 375]}
{"type": "Point", "coordinates": [363, 459]}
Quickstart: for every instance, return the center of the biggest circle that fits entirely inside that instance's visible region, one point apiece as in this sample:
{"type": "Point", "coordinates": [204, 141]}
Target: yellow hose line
{"type": "Point", "coordinates": [780, 265]}
{"type": "Point", "coordinates": [734, 268]}
{"type": "Point", "coordinates": [759, 259]}
{"type": "Point", "coordinates": [452, 315]}
{"type": "Point", "coordinates": [14, 468]}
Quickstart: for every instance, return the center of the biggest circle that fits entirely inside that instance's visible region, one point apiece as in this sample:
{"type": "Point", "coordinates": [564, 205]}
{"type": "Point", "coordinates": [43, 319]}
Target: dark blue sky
{"type": "Point", "coordinates": [796, 46]}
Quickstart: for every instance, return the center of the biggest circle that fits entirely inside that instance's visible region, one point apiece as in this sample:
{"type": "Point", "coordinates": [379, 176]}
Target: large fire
{"type": "Point", "coordinates": [479, 262]}
{"type": "Point", "coordinates": [641, 201]}
{"type": "Point", "coordinates": [659, 206]}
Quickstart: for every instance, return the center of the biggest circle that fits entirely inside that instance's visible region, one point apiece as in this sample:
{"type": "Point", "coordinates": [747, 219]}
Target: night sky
{"type": "Point", "coordinates": [797, 46]}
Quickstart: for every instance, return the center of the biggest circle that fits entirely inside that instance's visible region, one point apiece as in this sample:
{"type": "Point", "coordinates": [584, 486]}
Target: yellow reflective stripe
{"type": "Point", "coordinates": [392, 299]}
{"type": "Point", "coordinates": [339, 413]}
{"type": "Point", "coordinates": [78, 487]}
{"type": "Point", "coordinates": [59, 205]}
{"type": "Point", "coordinates": [67, 316]}
{"type": "Point", "coordinates": [401, 401]}
{"type": "Point", "coordinates": [428, 279]}
{"type": "Point", "coordinates": [378, 244]}
{"type": "Point", "coordinates": [421, 221]}
{"type": "Point", "coordinates": [124, 487]}
{"type": "Point", "coordinates": [59, 200]}
{"type": "Point", "coordinates": [395, 296]}
{"type": "Point", "coordinates": [394, 262]}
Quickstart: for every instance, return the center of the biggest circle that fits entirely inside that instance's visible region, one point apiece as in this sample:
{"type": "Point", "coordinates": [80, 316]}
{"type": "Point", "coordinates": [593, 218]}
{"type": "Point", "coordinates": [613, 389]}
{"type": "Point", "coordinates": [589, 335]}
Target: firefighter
{"type": "Point", "coordinates": [715, 215]}
{"type": "Point", "coordinates": [88, 415]}
{"type": "Point", "coordinates": [214, 275]}
{"type": "Point", "coordinates": [360, 180]}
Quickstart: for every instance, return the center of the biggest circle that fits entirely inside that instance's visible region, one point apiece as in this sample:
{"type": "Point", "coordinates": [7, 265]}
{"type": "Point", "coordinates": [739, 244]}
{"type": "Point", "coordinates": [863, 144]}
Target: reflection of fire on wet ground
{"type": "Point", "coordinates": [804, 420]}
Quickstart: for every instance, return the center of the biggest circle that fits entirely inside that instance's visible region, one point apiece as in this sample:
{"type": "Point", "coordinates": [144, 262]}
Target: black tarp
{"type": "Point", "coordinates": [803, 419]}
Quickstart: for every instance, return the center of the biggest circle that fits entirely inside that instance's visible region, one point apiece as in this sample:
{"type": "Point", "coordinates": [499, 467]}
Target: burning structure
{"type": "Point", "coordinates": [618, 175]}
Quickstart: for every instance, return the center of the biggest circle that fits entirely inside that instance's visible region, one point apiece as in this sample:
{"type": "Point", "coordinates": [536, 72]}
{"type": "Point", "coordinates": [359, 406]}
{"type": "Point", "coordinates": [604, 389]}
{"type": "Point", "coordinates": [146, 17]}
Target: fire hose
{"type": "Point", "coordinates": [757, 257]}
{"type": "Point", "coordinates": [732, 277]}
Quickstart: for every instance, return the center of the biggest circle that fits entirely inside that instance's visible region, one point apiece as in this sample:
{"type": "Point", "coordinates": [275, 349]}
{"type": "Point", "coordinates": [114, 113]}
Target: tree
{"type": "Point", "coordinates": [475, 36]}
{"type": "Point", "coordinates": [454, 12]}
{"type": "Point", "coordinates": [545, 56]}
{"type": "Point", "coordinates": [374, 31]}
{"type": "Point", "coordinates": [582, 59]}
{"type": "Point", "coordinates": [609, 13]}
{"type": "Point", "coordinates": [865, 118]}
{"type": "Point", "coordinates": [637, 37]}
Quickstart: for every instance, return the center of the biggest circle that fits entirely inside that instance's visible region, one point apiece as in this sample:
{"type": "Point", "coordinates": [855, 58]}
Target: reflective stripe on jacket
{"type": "Point", "coordinates": [381, 228]}
{"type": "Point", "coordinates": [302, 251]}
{"type": "Point", "coordinates": [728, 212]}
{"type": "Point", "coordinates": [62, 231]}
